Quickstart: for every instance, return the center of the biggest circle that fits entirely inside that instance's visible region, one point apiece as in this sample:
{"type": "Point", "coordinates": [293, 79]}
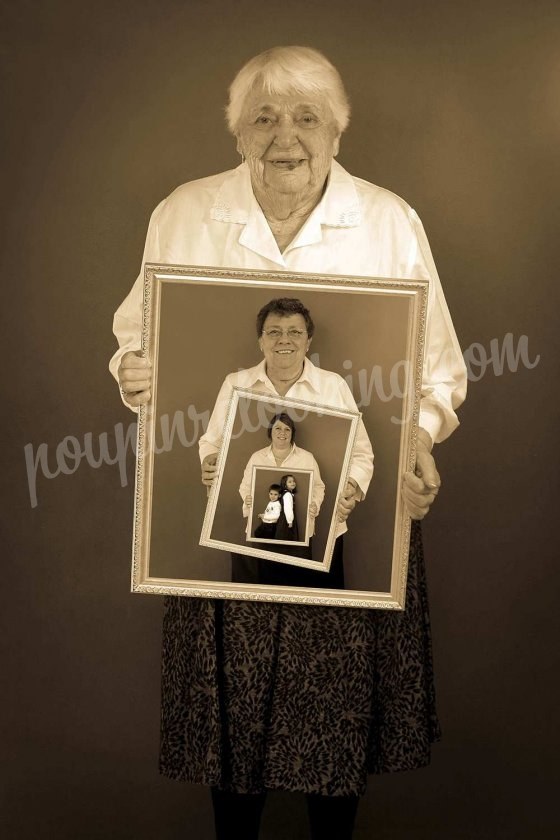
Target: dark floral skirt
{"type": "Point", "coordinates": [260, 696]}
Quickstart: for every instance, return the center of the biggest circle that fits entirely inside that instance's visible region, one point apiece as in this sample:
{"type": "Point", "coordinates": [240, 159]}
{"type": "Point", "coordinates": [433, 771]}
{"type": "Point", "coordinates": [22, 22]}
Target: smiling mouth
{"type": "Point", "coordinates": [284, 352]}
{"type": "Point", "coordinates": [288, 163]}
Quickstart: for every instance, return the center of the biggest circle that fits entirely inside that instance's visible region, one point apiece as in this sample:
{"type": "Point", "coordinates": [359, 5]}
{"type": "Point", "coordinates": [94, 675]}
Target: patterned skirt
{"type": "Point", "coordinates": [259, 696]}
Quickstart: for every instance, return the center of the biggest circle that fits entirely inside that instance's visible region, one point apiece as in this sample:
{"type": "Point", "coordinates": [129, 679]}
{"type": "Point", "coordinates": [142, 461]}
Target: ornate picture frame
{"type": "Point", "coordinates": [198, 328]}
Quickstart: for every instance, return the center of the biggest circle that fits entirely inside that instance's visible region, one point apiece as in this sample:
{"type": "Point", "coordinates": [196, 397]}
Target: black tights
{"type": "Point", "coordinates": [239, 815]}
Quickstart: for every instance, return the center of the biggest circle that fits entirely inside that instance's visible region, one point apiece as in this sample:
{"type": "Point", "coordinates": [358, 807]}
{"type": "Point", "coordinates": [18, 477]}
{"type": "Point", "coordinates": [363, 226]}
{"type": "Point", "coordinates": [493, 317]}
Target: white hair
{"type": "Point", "coordinates": [282, 70]}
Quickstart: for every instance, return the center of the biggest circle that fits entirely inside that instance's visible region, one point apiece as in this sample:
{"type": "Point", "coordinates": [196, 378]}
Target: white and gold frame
{"type": "Point", "coordinates": [199, 326]}
{"type": "Point", "coordinates": [323, 433]}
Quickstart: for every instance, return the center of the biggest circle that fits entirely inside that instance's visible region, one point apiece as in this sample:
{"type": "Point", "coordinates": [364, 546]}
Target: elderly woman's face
{"type": "Point", "coordinates": [289, 141]}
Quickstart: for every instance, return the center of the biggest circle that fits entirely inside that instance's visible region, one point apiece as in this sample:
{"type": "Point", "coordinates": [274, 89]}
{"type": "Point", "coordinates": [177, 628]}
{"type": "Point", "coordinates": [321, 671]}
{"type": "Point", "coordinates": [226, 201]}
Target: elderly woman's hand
{"type": "Point", "coordinates": [347, 502]}
{"type": "Point", "coordinates": [313, 509]}
{"type": "Point", "coordinates": [419, 489]}
{"type": "Point", "coordinates": [135, 378]}
{"type": "Point", "coordinates": [208, 467]}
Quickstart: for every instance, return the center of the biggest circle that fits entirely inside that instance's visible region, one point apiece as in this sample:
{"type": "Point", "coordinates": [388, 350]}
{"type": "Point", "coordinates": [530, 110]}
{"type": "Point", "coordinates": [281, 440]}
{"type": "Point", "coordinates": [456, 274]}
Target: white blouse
{"type": "Point", "coordinates": [315, 385]}
{"type": "Point", "coordinates": [357, 228]}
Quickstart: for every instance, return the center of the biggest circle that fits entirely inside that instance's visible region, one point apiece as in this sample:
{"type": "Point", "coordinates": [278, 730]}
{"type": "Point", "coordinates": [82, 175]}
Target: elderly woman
{"type": "Point", "coordinates": [261, 696]}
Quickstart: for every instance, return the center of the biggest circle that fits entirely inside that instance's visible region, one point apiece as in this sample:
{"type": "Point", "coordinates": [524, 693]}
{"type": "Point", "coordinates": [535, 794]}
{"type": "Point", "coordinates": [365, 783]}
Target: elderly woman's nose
{"type": "Point", "coordinates": [285, 132]}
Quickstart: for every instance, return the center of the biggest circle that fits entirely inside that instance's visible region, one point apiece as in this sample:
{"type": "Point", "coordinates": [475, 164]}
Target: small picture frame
{"type": "Point", "coordinates": [324, 438]}
{"type": "Point", "coordinates": [266, 480]}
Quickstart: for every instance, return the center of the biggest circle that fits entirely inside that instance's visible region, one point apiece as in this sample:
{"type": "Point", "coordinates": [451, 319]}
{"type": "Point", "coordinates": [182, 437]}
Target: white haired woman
{"type": "Point", "coordinates": [322, 696]}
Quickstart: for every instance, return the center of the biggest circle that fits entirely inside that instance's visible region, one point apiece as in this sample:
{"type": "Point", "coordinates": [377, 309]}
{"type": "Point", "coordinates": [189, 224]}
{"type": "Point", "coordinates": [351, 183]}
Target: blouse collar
{"type": "Point", "coordinates": [257, 375]}
{"type": "Point", "coordinates": [339, 207]}
{"type": "Point", "coordinates": [235, 203]}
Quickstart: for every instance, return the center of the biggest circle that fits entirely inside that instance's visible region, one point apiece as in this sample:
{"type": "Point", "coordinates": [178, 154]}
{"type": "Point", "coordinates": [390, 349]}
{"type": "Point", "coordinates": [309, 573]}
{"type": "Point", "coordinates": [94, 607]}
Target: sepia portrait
{"type": "Point", "coordinates": [365, 385]}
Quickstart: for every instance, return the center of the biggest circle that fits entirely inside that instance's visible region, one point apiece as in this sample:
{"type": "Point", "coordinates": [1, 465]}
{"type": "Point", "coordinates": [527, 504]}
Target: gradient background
{"type": "Point", "coordinates": [106, 108]}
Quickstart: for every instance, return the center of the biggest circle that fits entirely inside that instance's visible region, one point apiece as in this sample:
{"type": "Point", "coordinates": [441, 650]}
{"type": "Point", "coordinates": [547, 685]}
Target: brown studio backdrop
{"type": "Point", "coordinates": [105, 110]}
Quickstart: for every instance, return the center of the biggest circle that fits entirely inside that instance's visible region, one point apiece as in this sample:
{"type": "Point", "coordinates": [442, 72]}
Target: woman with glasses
{"type": "Point", "coordinates": [285, 331]}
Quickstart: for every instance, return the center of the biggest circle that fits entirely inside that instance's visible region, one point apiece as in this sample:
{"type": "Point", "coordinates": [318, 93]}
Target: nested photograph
{"type": "Point", "coordinates": [246, 216]}
{"type": "Point", "coordinates": [319, 373]}
{"type": "Point", "coordinates": [279, 521]}
{"type": "Point", "coordinates": [300, 473]}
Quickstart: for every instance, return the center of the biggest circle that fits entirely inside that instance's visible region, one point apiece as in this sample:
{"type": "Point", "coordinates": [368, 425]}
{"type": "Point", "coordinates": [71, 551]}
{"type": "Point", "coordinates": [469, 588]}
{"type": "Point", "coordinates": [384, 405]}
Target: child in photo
{"type": "Point", "coordinates": [287, 527]}
{"type": "Point", "coordinates": [267, 526]}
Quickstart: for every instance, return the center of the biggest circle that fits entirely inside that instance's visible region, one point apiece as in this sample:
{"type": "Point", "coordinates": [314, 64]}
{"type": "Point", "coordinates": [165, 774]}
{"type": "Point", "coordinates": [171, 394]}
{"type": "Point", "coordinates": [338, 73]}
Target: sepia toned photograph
{"type": "Point", "coordinates": [197, 444]}
{"type": "Point", "coordinates": [319, 212]}
{"type": "Point", "coordinates": [279, 522]}
{"type": "Point", "coordinates": [298, 500]}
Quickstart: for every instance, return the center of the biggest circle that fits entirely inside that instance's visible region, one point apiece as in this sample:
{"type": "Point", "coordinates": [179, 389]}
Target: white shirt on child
{"type": "Point", "coordinates": [272, 512]}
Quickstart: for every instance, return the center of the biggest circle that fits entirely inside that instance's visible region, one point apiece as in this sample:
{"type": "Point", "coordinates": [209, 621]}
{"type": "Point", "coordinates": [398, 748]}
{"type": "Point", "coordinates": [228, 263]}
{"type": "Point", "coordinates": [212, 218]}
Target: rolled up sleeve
{"type": "Point", "coordinates": [211, 440]}
{"type": "Point", "coordinates": [245, 486]}
{"type": "Point", "coordinates": [444, 380]}
{"type": "Point", "coordinates": [361, 462]}
{"type": "Point", "coordinates": [318, 492]}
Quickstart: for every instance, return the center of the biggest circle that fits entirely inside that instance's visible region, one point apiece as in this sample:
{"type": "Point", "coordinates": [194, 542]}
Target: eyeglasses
{"type": "Point", "coordinates": [292, 333]}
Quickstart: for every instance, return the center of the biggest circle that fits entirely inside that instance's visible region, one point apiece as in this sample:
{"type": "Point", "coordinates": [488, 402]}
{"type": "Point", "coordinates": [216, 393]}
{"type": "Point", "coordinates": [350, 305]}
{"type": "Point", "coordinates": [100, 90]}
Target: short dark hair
{"type": "Point", "coordinates": [283, 481]}
{"type": "Point", "coordinates": [287, 420]}
{"type": "Point", "coordinates": [275, 487]}
{"type": "Point", "coordinates": [285, 307]}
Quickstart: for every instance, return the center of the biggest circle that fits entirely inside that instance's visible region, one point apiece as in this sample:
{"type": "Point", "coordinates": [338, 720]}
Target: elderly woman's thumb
{"type": "Point", "coordinates": [426, 470]}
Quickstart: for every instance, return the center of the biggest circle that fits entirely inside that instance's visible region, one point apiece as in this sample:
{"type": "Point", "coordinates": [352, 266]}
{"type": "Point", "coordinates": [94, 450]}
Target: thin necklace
{"type": "Point", "coordinates": [288, 382]}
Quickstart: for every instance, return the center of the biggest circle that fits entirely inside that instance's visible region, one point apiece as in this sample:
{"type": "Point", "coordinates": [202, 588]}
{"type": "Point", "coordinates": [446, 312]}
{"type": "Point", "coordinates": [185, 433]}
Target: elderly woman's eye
{"type": "Point", "coordinates": [309, 119]}
{"type": "Point", "coordinates": [263, 120]}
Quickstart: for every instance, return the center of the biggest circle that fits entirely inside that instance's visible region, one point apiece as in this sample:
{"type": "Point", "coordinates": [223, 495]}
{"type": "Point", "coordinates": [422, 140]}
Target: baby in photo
{"type": "Point", "coordinates": [267, 527]}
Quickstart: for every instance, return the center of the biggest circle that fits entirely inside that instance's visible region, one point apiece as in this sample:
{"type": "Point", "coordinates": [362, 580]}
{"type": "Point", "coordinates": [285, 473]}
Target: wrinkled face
{"type": "Point", "coordinates": [288, 140]}
{"type": "Point", "coordinates": [273, 495]}
{"type": "Point", "coordinates": [284, 341]}
{"type": "Point", "coordinates": [291, 483]}
{"type": "Point", "coordinates": [281, 435]}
